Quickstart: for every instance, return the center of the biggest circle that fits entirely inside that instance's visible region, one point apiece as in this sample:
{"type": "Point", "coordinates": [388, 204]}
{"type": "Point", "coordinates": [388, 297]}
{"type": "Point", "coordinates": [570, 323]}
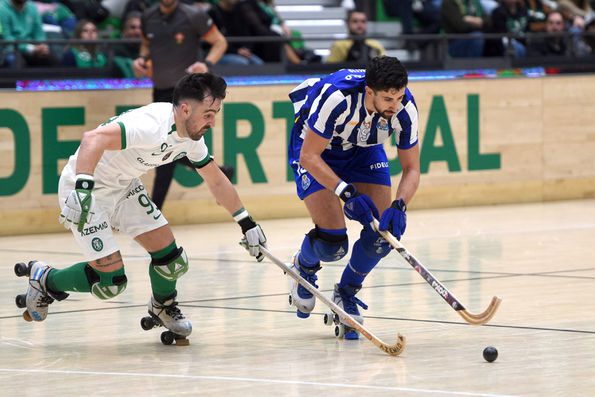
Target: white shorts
{"type": "Point", "coordinates": [129, 210]}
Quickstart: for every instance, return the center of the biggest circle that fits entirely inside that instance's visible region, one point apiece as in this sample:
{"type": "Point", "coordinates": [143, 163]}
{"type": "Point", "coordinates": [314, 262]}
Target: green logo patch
{"type": "Point", "coordinates": [97, 244]}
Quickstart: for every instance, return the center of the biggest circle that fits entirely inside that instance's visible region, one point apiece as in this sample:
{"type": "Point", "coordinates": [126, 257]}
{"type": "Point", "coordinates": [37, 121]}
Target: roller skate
{"type": "Point", "coordinates": [300, 297]}
{"type": "Point", "coordinates": [345, 298]}
{"type": "Point", "coordinates": [38, 297]}
{"type": "Point", "coordinates": [168, 315]}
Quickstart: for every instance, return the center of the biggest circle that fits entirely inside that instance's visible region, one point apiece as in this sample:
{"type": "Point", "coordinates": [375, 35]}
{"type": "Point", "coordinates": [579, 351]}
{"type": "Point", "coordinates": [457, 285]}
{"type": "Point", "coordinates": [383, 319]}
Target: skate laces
{"type": "Point", "coordinates": [173, 311]}
{"type": "Point", "coordinates": [350, 304]}
{"type": "Point", "coordinates": [44, 301]}
{"type": "Point", "coordinates": [311, 278]}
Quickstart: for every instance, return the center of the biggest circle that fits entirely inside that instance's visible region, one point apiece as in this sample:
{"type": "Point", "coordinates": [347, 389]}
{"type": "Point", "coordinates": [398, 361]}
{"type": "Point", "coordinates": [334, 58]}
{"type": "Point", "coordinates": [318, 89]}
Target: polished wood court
{"type": "Point", "coordinates": [246, 341]}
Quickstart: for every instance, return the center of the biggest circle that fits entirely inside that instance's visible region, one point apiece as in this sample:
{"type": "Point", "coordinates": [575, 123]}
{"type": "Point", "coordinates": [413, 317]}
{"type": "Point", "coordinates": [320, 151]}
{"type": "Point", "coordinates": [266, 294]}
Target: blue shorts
{"type": "Point", "coordinates": [360, 164]}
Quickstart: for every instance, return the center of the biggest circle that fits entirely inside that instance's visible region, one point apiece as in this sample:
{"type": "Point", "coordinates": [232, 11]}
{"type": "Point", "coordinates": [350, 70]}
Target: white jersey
{"type": "Point", "coordinates": [149, 139]}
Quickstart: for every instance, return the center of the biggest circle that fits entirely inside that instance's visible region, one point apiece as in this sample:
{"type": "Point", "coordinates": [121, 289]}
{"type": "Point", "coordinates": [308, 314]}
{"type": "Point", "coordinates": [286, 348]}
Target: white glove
{"type": "Point", "coordinates": [253, 235]}
{"type": "Point", "coordinates": [254, 239]}
{"type": "Point", "coordinates": [78, 208]}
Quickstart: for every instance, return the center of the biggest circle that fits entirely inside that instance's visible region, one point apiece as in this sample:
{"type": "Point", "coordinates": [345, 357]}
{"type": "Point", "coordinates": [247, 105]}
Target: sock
{"type": "Point", "coordinates": [358, 267]}
{"type": "Point", "coordinates": [162, 288]}
{"type": "Point", "coordinates": [72, 278]}
{"type": "Point", "coordinates": [307, 256]}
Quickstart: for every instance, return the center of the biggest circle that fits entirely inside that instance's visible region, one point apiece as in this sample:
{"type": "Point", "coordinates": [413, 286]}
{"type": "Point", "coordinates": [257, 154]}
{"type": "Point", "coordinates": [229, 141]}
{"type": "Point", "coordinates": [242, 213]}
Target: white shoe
{"type": "Point", "coordinates": [299, 296]}
{"type": "Point", "coordinates": [169, 315]}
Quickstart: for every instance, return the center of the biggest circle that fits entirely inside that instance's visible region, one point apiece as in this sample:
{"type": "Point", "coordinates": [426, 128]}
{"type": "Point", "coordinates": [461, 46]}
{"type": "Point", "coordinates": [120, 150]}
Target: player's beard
{"type": "Point", "coordinates": [385, 114]}
{"type": "Point", "coordinates": [195, 136]}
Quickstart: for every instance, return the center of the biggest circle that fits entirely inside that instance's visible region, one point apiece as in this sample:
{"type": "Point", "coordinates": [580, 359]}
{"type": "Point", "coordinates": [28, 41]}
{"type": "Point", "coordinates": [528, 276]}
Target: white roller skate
{"type": "Point", "coordinates": [345, 298]}
{"type": "Point", "coordinates": [168, 315]}
{"type": "Point", "coordinates": [300, 297]}
{"type": "Point", "coordinates": [38, 297]}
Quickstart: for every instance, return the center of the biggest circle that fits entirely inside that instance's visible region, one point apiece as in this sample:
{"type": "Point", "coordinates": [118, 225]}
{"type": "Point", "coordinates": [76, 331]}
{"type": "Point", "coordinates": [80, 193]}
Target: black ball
{"type": "Point", "coordinates": [490, 354]}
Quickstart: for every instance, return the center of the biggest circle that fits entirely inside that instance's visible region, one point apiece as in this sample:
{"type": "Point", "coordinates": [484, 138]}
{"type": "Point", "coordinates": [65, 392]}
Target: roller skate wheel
{"type": "Point", "coordinates": [147, 323]}
{"type": "Point", "coordinates": [290, 299]}
{"type": "Point", "coordinates": [27, 316]}
{"type": "Point", "coordinates": [21, 300]}
{"type": "Point", "coordinates": [328, 318]}
{"type": "Point", "coordinates": [167, 338]}
{"type": "Point", "coordinates": [21, 269]}
{"type": "Point", "coordinates": [339, 330]}
{"type": "Point", "coordinates": [336, 319]}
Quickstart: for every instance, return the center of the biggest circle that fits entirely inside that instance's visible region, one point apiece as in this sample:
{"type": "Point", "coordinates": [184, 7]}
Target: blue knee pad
{"type": "Point", "coordinates": [373, 244]}
{"type": "Point", "coordinates": [328, 247]}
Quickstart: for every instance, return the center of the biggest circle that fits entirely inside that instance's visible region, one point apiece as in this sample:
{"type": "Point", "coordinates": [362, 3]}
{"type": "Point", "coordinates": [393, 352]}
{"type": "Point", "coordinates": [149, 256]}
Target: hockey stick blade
{"type": "Point", "coordinates": [393, 350]}
{"type": "Point", "coordinates": [471, 318]}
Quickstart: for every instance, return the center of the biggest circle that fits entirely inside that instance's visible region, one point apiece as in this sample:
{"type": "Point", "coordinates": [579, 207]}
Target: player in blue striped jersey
{"type": "Point", "coordinates": [336, 153]}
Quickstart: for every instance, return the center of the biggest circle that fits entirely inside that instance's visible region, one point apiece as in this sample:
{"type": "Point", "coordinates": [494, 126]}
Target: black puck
{"type": "Point", "coordinates": [490, 354]}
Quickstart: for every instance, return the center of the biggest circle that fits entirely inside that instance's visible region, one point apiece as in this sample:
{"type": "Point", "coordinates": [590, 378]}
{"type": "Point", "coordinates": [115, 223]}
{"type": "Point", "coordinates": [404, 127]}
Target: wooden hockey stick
{"type": "Point", "coordinates": [393, 350]}
{"type": "Point", "coordinates": [471, 318]}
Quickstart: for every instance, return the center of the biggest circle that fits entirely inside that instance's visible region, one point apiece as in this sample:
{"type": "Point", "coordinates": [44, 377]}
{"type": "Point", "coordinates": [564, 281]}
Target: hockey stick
{"type": "Point", "coordinates": [393, 350]}
{"type": "Point", "coordinates": [475, 319]}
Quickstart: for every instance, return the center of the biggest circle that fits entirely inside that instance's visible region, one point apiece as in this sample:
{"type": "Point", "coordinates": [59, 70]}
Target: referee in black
{"type": "Point", "coordinates": [170, 48]}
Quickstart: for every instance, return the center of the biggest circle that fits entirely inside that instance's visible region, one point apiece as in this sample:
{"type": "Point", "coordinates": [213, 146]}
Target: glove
{"type": "Point", "coordinates": [394, 219]}
{"type": "Point", "coordinates": [253, 237]}
{"type": "Point", "coordinates": [79, 204]}
{"type": "Point", "coordinates": [358, 206]}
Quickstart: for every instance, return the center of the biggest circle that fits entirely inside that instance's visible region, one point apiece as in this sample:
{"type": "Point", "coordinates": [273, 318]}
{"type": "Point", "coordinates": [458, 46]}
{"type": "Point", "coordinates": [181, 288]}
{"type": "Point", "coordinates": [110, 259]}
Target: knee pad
{"type": "Point", "coordinates": [107, 285]}
{"type": "Point", "coordinates": [373, 244]}
{"type": "Point", "coordinates": [173, 265]}
{"type": "Point", "coordinates": [328, 247]}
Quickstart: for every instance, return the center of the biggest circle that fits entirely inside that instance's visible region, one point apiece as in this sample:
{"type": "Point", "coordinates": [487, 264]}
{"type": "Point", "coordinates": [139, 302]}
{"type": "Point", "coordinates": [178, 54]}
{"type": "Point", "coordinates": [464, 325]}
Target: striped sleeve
{"type": "Point", "coordinates": [405, 123]}
{"type": "Point", "coordinates": [326, 109]}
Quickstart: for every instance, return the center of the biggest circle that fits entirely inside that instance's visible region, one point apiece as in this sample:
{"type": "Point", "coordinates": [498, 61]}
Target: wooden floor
{"type": "Point", "coordinates": [246, 341]}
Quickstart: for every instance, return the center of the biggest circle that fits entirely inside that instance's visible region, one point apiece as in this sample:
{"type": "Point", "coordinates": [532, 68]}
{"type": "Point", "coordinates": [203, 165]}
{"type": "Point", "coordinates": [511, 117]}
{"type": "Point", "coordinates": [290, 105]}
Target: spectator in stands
{"type": "Point", "coordinates": [590, 37]}
{"type": "Point", "coordinates": [91, 10]}
{"type": "Point", "coordinates": [509, 17]}
{"type": "Point", "coordinates": [54, 12]}
{"type": "Point", "coordinates": [21, 21]}
{"type": "Point", "coordinates": [575, 8]}
{"type": "Point", "coordinates": [228, 17]}
{"type": "Point", "coordinates": [136, 5]}
{"type": "Point", "coordinates": [537, 11]}
{"type": "Point", "coordinates": [295, 50]}
{"type": "Point", "coordinates": [126, 53]}
{"type": "Point", "coordinates": [554, 45]}
{"type": "Point", "coordinates": [357, 48]}
{"type": "Point", "coordinates": [2, 48]}
{"type": "Point", "coordinates": [464, 16]}
{"type": "Point", "coordinates": [426, 12]}
{"type": "Point", "coordinates": [260, 21]}
{"type": "Point", "coordinates": [84, 55]}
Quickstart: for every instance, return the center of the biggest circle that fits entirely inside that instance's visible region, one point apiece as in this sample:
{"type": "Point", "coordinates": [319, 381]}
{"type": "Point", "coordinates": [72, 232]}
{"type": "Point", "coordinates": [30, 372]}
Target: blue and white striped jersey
{"type": "Point", "coordinates": [333, 107]}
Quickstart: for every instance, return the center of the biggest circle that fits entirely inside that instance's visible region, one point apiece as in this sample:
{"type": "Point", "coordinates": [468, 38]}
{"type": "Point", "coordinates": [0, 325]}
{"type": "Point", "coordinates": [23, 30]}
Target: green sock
{"type": "Point", "coordinates": [72, 278]}
{"type": "Point", "coordinates": [162, 288]}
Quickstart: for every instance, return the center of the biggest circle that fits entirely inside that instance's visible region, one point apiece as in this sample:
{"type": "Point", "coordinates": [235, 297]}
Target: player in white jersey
{"type": "Point", "coordinates": [100, 189]}
{"type": "Point", "coordinates": [336, 153]}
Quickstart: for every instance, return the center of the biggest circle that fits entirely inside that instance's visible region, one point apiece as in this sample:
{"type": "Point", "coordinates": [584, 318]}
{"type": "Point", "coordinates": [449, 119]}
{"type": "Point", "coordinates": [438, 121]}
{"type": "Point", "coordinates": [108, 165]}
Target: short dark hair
{"type": "Point", "coordinates": [199, 86]}
{"type": "Point", "coordinates": [353, 11]}
{"type": "Point", "coordinates": [384, 73]}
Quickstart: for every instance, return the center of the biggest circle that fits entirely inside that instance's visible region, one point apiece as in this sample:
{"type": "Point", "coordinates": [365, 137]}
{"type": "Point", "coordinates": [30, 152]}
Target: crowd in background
{"type": "Point", "coordinates": [113, 19]}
